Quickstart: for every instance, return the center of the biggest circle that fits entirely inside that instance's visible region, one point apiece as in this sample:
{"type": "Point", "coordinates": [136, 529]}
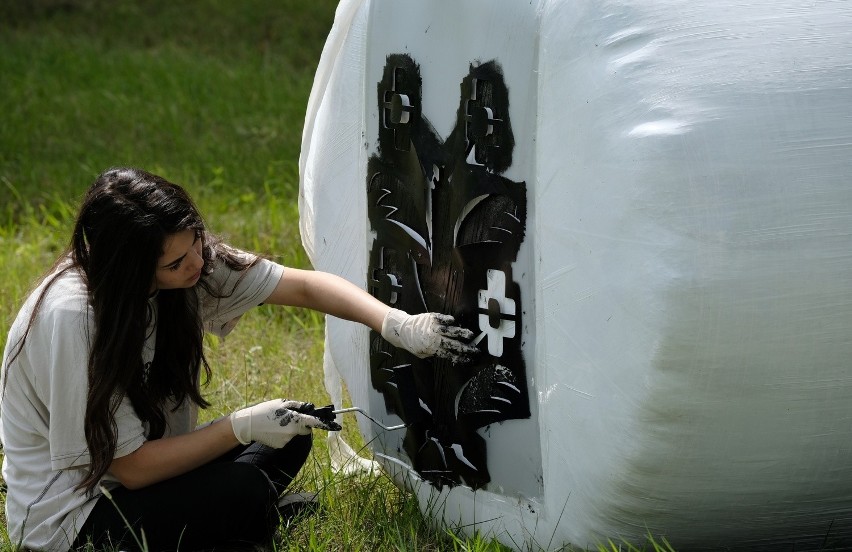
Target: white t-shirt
{"type": "Point", "coordinates": [43, 406]}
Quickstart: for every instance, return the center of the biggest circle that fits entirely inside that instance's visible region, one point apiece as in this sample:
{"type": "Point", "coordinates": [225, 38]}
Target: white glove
{"type": "Point", "coordinates": [428, 334]}
{"type": "Point", "coordinates": [273, 423]}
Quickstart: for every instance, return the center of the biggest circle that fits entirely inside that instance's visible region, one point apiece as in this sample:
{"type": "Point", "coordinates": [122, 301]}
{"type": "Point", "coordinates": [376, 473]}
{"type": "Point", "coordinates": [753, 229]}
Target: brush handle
{"type": "Point", "coordinates": [358, 410]}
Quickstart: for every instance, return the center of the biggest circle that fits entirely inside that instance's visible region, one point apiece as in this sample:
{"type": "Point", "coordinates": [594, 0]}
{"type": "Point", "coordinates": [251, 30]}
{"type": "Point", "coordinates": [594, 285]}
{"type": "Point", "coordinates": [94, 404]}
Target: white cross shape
{"type": "Point", "coordinates": [496, 284]}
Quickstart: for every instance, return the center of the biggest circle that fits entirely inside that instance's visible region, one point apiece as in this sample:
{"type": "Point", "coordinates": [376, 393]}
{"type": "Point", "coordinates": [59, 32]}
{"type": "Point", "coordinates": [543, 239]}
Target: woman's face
{"type": "Point", "coordinates": [181, 262]}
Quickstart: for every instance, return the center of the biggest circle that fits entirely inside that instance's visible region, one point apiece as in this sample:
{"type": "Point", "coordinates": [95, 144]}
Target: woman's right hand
{"type": "Point", "coordinates": [273, 423]}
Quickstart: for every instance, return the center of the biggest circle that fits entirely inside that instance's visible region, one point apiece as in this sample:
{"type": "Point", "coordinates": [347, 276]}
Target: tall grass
{"type": "Point", "coordinates": [210, 94]}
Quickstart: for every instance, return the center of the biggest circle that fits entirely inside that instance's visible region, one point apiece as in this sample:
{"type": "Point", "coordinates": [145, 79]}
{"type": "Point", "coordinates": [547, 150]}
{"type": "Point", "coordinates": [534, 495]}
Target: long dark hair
{"type": "Point", "coordinates": [118, 237]}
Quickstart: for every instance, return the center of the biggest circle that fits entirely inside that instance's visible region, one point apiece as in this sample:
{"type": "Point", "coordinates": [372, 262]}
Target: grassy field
{"type": "Point", "coordinates": [211, 95]}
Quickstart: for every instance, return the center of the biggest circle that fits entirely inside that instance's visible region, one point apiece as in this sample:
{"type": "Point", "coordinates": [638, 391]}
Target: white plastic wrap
{"type": "Point", "coordinates": [686, 270]}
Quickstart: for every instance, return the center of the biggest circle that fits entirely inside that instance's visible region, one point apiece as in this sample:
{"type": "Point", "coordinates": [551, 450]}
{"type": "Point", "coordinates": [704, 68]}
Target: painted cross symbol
{"type": "Point", "coordinates": [482, 124]}
{"type": "Point", "coordinates": [384, 286]}
{"type": "Point", "coordinates": [396, 112]}
{"type": "Point", "coordinates": [496, 312]}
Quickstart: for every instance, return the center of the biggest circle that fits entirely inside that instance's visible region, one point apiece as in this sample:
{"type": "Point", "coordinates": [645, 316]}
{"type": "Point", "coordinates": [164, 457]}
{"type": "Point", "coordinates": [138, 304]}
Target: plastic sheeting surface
{"type": "Point", "coordinates": [686, 270]}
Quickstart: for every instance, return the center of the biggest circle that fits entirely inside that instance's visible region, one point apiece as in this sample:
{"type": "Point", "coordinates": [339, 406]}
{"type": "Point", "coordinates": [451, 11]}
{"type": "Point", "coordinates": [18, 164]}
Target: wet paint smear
{"type": "Point", "coordinates": [448, 227]}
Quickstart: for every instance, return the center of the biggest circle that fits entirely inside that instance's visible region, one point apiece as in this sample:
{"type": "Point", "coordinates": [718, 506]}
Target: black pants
{"type": "Point", "coordinates": [228, 504]}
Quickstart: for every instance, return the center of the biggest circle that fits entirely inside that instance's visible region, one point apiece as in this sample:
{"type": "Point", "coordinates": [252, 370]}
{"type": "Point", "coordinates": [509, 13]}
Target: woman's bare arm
{"type": "Point", "coordinates": [162, 459]}
{"type": "Point", "coordinates": [330, 294]}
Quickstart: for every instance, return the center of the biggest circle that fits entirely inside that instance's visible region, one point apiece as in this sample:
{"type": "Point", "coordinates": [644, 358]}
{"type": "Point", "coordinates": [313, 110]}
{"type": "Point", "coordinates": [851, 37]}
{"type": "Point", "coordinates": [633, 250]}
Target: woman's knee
{"type": "Point", "coordinates": [244, 483]}
{"type": "Point", "coordinates": [282, 465]}
{"type": "Point", "coordinates": [301, 446]}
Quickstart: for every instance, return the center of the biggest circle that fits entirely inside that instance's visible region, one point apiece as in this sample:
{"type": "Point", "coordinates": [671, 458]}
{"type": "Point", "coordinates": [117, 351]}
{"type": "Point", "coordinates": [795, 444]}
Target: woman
{"type": "Point", "coordinates": [101, 381]}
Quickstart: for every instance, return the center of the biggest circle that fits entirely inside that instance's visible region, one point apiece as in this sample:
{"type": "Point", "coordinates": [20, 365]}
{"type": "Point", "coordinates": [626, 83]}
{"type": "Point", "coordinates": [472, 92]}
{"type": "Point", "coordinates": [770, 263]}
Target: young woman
{"type": "Point", "coordinates": [101, 380]}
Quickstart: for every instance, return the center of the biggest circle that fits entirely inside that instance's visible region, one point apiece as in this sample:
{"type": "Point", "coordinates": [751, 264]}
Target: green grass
{"type": "Point", "coordinates": [210, 94]}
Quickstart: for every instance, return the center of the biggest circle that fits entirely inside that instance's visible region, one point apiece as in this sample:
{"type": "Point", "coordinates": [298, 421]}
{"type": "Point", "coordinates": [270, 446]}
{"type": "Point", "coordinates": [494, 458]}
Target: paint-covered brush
{"type": "Point", "coordinates": [325, 413]}
{"type": "Point", "coordinates": [328, 415]}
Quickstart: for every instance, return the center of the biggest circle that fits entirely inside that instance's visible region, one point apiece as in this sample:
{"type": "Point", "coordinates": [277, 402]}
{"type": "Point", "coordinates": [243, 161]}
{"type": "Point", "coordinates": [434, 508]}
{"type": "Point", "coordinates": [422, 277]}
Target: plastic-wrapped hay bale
{"type": "Point", "coordinates": [644, 209]}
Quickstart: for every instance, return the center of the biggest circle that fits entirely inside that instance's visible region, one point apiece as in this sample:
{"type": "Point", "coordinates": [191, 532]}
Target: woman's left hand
{"type": "Point", "coordinates": [428, 334]}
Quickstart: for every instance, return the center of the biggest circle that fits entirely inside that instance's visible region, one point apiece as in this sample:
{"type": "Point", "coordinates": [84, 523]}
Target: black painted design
{"type": "Point", "coordinates": [448, 227]}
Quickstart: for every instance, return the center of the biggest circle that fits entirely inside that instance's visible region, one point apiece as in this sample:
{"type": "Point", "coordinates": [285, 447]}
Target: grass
{"type": "Point", "coordinates": [210, 94]}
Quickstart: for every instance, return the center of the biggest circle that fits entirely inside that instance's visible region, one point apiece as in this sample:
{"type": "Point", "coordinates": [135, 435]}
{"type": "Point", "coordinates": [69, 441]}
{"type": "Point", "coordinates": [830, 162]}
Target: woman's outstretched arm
{"type": "Point", "coordinates": [328, 293]}
{"type": "Point", "coordinates": [424, 334]}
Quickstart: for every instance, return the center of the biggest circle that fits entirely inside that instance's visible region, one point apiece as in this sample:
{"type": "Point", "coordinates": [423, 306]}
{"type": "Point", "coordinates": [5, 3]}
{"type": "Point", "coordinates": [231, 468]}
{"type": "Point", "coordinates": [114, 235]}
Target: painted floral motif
{"type": "Point", "coordinates": [447, 229]}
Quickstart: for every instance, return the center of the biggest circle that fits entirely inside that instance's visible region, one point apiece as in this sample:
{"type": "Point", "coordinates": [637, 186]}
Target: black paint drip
{"type": "Point", "coordinates": [443, 217]}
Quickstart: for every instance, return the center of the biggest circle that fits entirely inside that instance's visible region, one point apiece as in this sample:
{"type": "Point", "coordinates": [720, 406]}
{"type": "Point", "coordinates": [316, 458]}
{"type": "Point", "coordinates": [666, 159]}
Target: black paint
{"type": "Point", "coordinates": [478, 220]}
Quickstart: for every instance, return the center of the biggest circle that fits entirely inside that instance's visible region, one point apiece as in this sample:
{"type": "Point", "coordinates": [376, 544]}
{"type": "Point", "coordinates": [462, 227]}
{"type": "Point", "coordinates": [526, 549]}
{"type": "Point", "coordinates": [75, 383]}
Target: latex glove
{"type": "Point", "coordinates": [273, 423]}
{"type": "Point", "coordinates": [428, 334]}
